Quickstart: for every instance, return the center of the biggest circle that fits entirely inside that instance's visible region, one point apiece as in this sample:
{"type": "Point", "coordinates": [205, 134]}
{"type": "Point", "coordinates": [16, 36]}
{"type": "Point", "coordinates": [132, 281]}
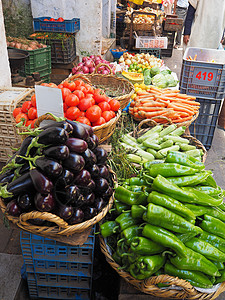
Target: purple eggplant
{"type": "Point", "coordinates": [61, 124]}
{"type": "Point", "coordinates": [64, 179]}
{"type": "Point", "coordinates": [104, 171]}
{"type": "Point", "coordinates": [24, 168]}
{"type": "Point", "coordinates": [41, 183]}
{"type": "Point", "coordinates": [76, 145]}
{"type": "Point", "coordinates": [68, 195]}
{"type": "Point", "coordinates": [74, 162]}
{"type": "Point", "coordinates": [101, 155]}
{"type": "Point", "coordinates": [82, 178]}
{"type": "Point", "coordinates": [89, 199]}
{"type": "Point", "coordinates": [59, 152]}
{"type": "Point", "coordinates": [49, 167]}
{"type": "Point", "coordinates": [89, 157]}
{"type": "Point", "coordinates": [13, 208]}
{"type": "Point", "coordinates": [96, 139]}
{"type": "Point", "coordinates": [77, 217]}
{"type": "Point", "coordinates": [89, 212]}
{"type": "Point", "coordinates": [88, 128]}
{"type": "Point", "coordinates": [102, 185]}
{"type": "Point", "coordinates": [79, 131]}
{"type": "Point", "coordinates": [108, 193]}
{"type": "Point", "coordinates": [93, 170]}
{"type": "Point", "coordinates": [65, 212]}
{"type": "Point", "coordinates": [23, 149]}
{"type": "Point", "coordinates": [7, 177]}
{"type": "Point", "coordinates": [25, 201]}
{"type": "Point", "coordinates": [44, 202]}
{"type": "Point", "coordinates": [91, 143]}
{"type": "Point", "coordinates": [53, 136]}
{"type": "Point", "coordinates": [99, 204]}
{"type": "Point", "coordinates": [87, 189]}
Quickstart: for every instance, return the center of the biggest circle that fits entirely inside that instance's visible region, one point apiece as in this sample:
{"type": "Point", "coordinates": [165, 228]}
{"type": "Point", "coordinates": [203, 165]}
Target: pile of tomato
{"type": "Point", "coordinates": [60, 19]}
{"type": "Point", "coordinates": [81, 102]}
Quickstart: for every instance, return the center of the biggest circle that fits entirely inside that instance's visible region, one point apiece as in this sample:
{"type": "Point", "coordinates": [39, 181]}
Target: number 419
{"type": "Point", "coordinates": [205, 76]}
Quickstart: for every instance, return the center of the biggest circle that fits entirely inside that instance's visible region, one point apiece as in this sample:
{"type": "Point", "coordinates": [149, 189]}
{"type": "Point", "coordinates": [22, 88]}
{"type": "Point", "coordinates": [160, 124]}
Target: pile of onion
{"type": "Point", "coordinates": [89, 63]}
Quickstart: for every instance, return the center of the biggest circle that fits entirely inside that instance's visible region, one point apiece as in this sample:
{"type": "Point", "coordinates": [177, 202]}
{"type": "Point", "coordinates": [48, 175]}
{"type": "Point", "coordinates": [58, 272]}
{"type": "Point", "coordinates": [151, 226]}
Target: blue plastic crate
{"type": "Point", "coordinates": [117, 54]}
{"type": "Point", "coordinates": [205, 76]}
{"type": "Point", "coordinates": [67, 26]}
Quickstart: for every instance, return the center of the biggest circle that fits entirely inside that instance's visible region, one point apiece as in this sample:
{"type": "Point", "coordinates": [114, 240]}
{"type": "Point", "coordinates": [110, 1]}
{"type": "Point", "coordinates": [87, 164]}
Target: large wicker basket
{"type": "Point", "coordinates": [149, 286]}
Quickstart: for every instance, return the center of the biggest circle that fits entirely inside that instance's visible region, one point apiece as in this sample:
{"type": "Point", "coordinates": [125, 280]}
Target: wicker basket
{"type": "Point", "coordinates": [63, 232]}
{"type": "Point", "coordinates": [149, 286]}
{"type": "Point", "coordinates": [141, 26]}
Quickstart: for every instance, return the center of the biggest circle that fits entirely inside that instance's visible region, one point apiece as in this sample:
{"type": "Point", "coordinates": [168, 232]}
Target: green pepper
{"type": "Point", "coordinates": [148, 164]}
{"type": "Point", "coordinates": [143, 246]}
{"type": "Point", "coordinates": [195, 262]}
{"type": "Point", "coordinates": [196, 278]}
{"type": "Point", "coordinates": [125, 220]}
{"type": "Point", "coordinates": [214, 240]}
{"type": "Point", "coordinates": [120, 207]}
{"type": "Point", "coordinates": [210, 190]}
{"type": "Point", "coordinates": [199, 210]}
{"type": "Point", "coordinates": [203, 198]}
{"type": "Point", "coordinates": [137, 211]}
{"type": "Point", "coordinates": [210, 181]}
{"type": "Point", "coordinates": [164, 238]}
{"type": "Point", "coordinates": [184, 237]}
{"type": "Point", "coordinates": [117, 258]}
{"type": "Point", "coordinates": [108, 228]}
{"type": "Point", "coordinates": [150, 264]}
{"type": "Point", "coordinates": [133, 188]}
{"type": "Point", "coordinates": [190, 180]}
{"type": "Point", "coordinates": [131, 257]}
{"type": "Point", "coordinates": [171, 169]}
{"type": "Point", "coordinates": [128, 197]}
{"type": "Point", "coordinates": [134, 271]}
{"type": "Point", "coordinates": [222, 206]}
{"type": "Point", "coordinates": [131, 232]}
{"type": "Point", "coordinates": [221, 278]}
{"type": "Point", "coordinates": [135, 181]}
{"type": "Point", "coordinates": [205, 249]}
{"type": "Point", "coordinates": [171, 204]}
{"type": "Point", "coordinates": [182, 159]}
{"type": "Point", "coordinates": [213, 225]}
{"type": "Point", "coordinates": [218, 264]}
{"type": "Point", "coordinates": [160, 216]}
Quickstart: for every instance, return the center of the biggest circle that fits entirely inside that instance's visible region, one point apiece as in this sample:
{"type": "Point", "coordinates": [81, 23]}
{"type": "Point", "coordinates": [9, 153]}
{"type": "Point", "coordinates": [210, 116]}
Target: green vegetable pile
{"type": "Point", "coordinates": [161, 79]}
{"type": "Point", "coordinates": [169, 220]}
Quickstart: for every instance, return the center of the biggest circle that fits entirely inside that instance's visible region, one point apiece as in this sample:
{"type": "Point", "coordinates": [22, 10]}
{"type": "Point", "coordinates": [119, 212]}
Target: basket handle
{"type": "Point", "coordinates": [23, 218]}
{"type": "Point", "coordinates": [46, 116]}
{"type": "Point", "coordinates": [78, 76]}
{"type": "Point", "coordinates": [105, 65]}
{"type": "Point", "coordinates": [152, 122]}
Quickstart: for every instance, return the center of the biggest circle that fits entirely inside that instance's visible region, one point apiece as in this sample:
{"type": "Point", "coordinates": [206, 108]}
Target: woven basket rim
{"type": "Point", "coordinates": [63, 228]}
{"type": "Point", "coordinates": [149, 286]}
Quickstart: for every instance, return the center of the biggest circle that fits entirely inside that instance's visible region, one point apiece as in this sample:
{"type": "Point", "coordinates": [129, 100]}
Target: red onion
{"type": "Point", "coordinates": [92, 56]}
{"type": "Point", "coordinates": [80, 64]}
{"type": "Point", "coordinates": [101, 68]}
{"type": "Point", "coordinates": [79, 72]}
{"type": "Point", "coordinates": [74, 70]}
{"type": "Point", "coordinates": [85, 58]}
{"type": "Point", "coordinates": [89, 63]}
{"type": "Point", "coordinates": [105, 72]}
{"type": "Point", "coordinates": [91, 69]}
{"type": "Point", "coordinates": [85, 69]}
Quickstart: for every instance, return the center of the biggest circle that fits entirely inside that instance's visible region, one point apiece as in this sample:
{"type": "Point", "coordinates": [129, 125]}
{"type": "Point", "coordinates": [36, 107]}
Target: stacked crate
{"type": "Point", "coordinates": [61, 40]}
{"type": "Point", "coordinates": [203, 76]}
{"type": "Point", "coordinates": [55, 270]}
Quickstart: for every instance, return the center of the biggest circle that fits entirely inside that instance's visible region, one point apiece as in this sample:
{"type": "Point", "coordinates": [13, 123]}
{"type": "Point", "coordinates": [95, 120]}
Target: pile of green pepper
{"type": "Point", "coordinates": [170, 220]}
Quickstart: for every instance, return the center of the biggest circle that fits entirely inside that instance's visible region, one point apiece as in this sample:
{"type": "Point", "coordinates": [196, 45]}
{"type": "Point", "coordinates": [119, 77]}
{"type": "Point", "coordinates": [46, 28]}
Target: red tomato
{"type": "Point", "coordinates": [107, 115]}
{"type": "Point", "coordinates": [52, 19]}
{"type": "Point", "coordinates": [72, 100]}
{"type": "Point", "coordinates": [104, 106]}
{"type": "Point", "coordinates": [46, 20]}
{"type": "Point", "coordinates": [32, 113]}
{"type": "Point", "coordinates": [51, 84]}
{"type": "Point", "coordinates": [82, 113]}
{"type": "Point", "coordinates": [99, 122]}
{"type": "Point", "coordinates": [60, 86]}
{"type": "Point", "coordinates": [44, 84]}
{"type": "Point", "coordinates": [83, 120]}
{"type": "Point", "coordinates": [17, 111]}
{"type": "Point", "coordinates": [93, 113]}
{"type": "Point", "coordinates": [32, 123]}
{"type": "Point", "coordinates": [29, 122]}
{"type": "Point", "coordinates": [72, 113]}
{"type": "Point", "coordinates": [69, 85]}
{"type": "Point", "coordinates": [85, 103]}
{"type": "Point", "coordinates": [89, 88]}
{"type": "Point", "coordinates": [79, 83]}
{"type": "Point", "coordinates": [113, 113]}
{"type": "Point", "coordinates": [21, 117]}
{"type": "Point", "coordinates": [65, 92]}
{"type": "Point", "coordinates": [33, 100]}
{"type": "Point", "coordinates": [65, 107]}
{"type": "Point", "coordinates": [114, 104]}
{"type": "Point", "coordinates": [60, 19]}
{"type": "Point", "coordinates": [83, 89]}
{"type": "Point", "coordinates": [26, 106]}
{"type": "Point", "coordinates": [79, 94]}
{"type": "Point", "coordinates": [100, 96]}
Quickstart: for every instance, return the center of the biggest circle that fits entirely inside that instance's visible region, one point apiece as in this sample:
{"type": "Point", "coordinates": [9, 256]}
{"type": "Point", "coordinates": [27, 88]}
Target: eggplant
{"type": "Point", "coordinates": [89, 212]}
{"type": "Point", "coordinates": [108, 193]}
{"type": "Point", "coordinates": [69, 195]}
{"type": "Point", "coordinates": [17, 186]}
{"type": "Point", "coordinates": [24, 168]}
{"type": "Point", "coordinates": [104, 171]}
{"type": "Point", "coordinates": [59, 152]}
{"type": "Point", "coordinates": [82, 178]}
{"type": "Point", "coordinates": [89, 199]}
{"type": "Point", "coordinates": [49, 167]}
{"type": "Point", "coordinates": [101, 155]}
{"type": "Point", "coordinates": [76, 145]}
{"type": "Point", "coordinates": [65, 212]}
{"type": "Point", "coordinates": [89, 157]}
{"type": "Point", "coordinates": [61, 124]}
{"type": "Point", "coordinates": [23, 149]}
{"type": "Point", "coordinates": [95, 139]}
{"type": "Point", "coordinates": [93, 170]}
{"type": "Point", "coordinates": [91, 143]}
{"type": "Point", "coordinates": [7, 177]}
{"type": "Point", "coordinates": [74, 162]}
{"type": "Point", "coordinates": [102, 185]}
{"type": "Point", "coordinates": [77, 217]}
{"type": "Point", "coordinates": [79, 131]}
{"type": "Point", "coordinates": [88, 128]}
{"type": "Point", "coordinates": [99, 204]}
{"type": "Point", "coordinates": [53, 136]}
{"type": "Point", "coordinates": [25, 201]}
{"type": "Point", "coordinates": [88, 188]}
{"type": "Point", "coordinates": [13, 208]}
{"type": "Point", "coordinates": [44, 202]}
{"type": "Point", "coordinates": [64, 179]}
{"type": "Point", "coordinates": [41, 183]}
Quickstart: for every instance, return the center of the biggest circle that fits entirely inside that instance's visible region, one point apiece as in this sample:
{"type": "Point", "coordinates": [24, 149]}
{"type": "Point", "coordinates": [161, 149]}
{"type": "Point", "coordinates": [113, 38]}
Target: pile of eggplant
{"type": "Point", "coordinates": [60, 169]}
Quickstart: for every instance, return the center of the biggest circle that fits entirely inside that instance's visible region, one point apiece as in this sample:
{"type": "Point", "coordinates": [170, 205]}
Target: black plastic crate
{"type": "Point", "coordinates": [62, 51]}
{"type": "Point", "coordinates": [204, 126]}
{"type": "Point", "coordinates": [152, 51]}
{"type": "Point", "coordinates": [170, 36]}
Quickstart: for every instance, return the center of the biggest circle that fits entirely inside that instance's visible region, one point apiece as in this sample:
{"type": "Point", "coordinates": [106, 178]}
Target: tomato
{"type": "Point", "coordinates": [60, 19]}
{"type": "Point", "coordinates": [32, 113]}
{"type": "Point", "coordinates": [83, 120]}
{"type": "Point", "coordinates": [65, 92]}
{"type": "Point", "coordinates": [33, 122]}
{"type": "Point", "coordinates": [100, 96]}
{"type": "Point", "coordinates": [21, 117]}
{"type": "Point", "coordinates": [89, 88]}
{"type": "Point", "coordinates": [79, 83]}
{"type": "Point", "coordinates": [52, 19]}
{"type": "Point", "coordinates": [65, 107]}
{"type": "Point", "coordinates": [72, 113]}
{"type": "Point", "coordinates": [53, 85]}
{"type": "Point", "coordinates": [93, 113]}
{"type": "Point", "coordinates": [44, 84]}
{"type": "Point", "coordinates": [99, 122]}
{"type": "Point", "coordinates": [114, 104]}
{"type": "Point", "coordinates": [60, 86]}
{"type": "Point", "coordinates": [26, 106]}
{"type": "Point", "coordinates": [72, 100]}
{"type": "Point", "coordinates": [104, 106]}
{"type": "Point", "coordinates": [79, 94]}
{"type": "Point", "coordinates": [69, 85]}
{"type": "Point", "coordinates": [113, 113]}
{"type": "Point", "coordinates": [17, 111]}
{"type": "Point", "coordinates": [46, 20]}
{"type": "Point", "coordinates": [33, 100]}
{"type": "Point", "coordinates": [85, 103]}
{"type": "Point", "coordinates": [107, 115]}
{"type": "Point", "coordinates": [29, 122]}
{"type": "Point", "coordinates": [82, 113]}
{"type": "Point", "coordinates": [83, 89]}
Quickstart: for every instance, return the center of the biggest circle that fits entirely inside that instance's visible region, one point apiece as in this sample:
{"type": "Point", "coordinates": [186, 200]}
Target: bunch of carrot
{"type": "Point", "coordinates": [163, 104]}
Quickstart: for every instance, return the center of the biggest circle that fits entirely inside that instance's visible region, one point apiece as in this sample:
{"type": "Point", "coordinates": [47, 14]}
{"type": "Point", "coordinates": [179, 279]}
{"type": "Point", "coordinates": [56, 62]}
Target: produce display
{"type": "Point", "coordinates": [23, 43]}
{"type": "Point", "coordinates": [156, 103]}
{"type": "Point", "coordinates": [169, 219]}
{"type": "Point", "coordinates": [59, 168]}
{"type": "Point", "coordinates": [143, 59]}
{"type": "Point", "coordinates": [81, 102]}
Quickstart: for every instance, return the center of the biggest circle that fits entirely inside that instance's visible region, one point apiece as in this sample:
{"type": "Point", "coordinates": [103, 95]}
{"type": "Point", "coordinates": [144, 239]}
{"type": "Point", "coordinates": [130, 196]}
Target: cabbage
{"type": "Point", "coordinates": [155, 71]}
{"type": "Point", "coordinates": [160, 81]}
{"type": "Point", "coordinates": [171, 81]}
{"type": "Point", "coordinates": [147, 77]}
{"type": "Point", "coordinates": [165, 72]}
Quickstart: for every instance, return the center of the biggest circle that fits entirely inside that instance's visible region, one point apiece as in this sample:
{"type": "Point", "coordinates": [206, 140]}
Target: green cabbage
{"type": "Point", "coordinates": [160, 81]}
{"type": "Point", "coordinates": [155, 71]}
{"type": "Point", "coordinates": [171, 80]}
{"type": "Point", "coordinates": [165, 72]}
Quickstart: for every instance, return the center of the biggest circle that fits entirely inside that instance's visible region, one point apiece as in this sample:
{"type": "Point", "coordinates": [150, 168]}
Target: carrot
{"type": "Point", "coordinates": [139, 93]}
{"type": "Point", "coordinates": [154, 103]}
{"type": "Point", "coordinates": [150, 108]}
{"type": "Point", "coordinates": [191, 102]}
{"type": "Point", "coordinates": [184, 96]}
